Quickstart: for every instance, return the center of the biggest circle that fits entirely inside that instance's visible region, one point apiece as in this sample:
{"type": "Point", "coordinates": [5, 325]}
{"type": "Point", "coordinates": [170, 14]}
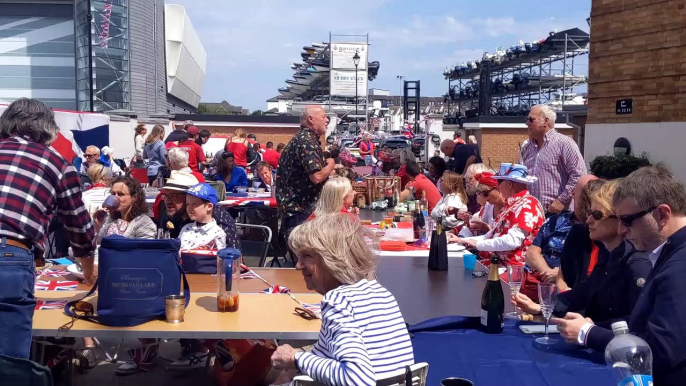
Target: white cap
{"type": "Point", "coordinates": [620, 327]}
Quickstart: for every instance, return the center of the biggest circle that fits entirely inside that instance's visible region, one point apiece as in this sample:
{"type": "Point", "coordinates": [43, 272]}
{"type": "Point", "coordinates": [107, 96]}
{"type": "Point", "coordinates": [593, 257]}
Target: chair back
{"type": "Point", "coordinates": [220, 188]}
{"type": "Point", "coordinates": [256, 247]}
{"type": "Point", "coordinates": [19, 371]}
{"type": "Point", "coordinates": [418, 371]}
{"type": "Point", "coordinates": [140, 175]}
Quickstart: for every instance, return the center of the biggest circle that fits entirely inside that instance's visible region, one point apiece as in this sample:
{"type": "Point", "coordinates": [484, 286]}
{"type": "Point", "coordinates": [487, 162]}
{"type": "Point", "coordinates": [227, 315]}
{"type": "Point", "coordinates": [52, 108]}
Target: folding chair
{"type": "Point", "coordinates": [397, 378]}
{"type": "Point", "coordinates": [220, 188]}
{"type": "Point", "coordinates": [253, 248]}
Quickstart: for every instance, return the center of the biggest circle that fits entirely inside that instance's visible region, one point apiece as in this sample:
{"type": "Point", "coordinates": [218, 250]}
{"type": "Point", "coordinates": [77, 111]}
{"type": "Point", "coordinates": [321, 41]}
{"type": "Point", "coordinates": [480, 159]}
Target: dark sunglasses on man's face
{"type": "Point", "coordinates": [598, 215]}
{"type": "Point", "coordinates": [91, 155]}
{"type": "Point", "coordinates": [530, 119]}
{"type": "Point", "coordinates": [628, 219]}
{"type": "Point", "coordinates": [486, 193]}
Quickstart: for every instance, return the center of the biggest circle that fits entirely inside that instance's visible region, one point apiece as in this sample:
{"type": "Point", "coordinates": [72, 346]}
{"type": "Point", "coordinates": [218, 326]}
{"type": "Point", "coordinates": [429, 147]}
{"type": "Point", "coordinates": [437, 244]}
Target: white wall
{"type": "Point", "coordinates": [664, 142]}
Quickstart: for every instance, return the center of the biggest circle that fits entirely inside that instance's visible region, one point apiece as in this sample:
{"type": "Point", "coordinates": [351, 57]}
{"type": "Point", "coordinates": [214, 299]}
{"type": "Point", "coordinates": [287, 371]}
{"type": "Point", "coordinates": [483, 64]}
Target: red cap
{"type": "Point", "coordinates": [486, 178]}
{"type": "Point", "coordinates": [192, 130]}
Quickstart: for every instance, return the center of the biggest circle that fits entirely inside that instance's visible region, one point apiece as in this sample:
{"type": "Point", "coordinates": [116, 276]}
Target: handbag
{"type": "Point", "coordinates": [135, 275]}
{"type": "Point", "coordinates": [199, 261]}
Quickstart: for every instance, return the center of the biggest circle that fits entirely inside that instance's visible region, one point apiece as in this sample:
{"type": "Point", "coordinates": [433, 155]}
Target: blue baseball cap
{"type": "Point", "coordinates": [204, 192]}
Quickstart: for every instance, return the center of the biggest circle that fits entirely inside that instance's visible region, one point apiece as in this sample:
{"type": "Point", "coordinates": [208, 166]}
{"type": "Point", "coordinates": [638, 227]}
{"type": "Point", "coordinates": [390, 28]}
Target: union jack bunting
{"type": "Point", "coordinates": [277, 289]}
{"type": "Point", "coordinates": [54, 273]}
{"type": "Point", "coordinates": [50, 304]}
{"type": "Point", "coordinates": [43, 285]}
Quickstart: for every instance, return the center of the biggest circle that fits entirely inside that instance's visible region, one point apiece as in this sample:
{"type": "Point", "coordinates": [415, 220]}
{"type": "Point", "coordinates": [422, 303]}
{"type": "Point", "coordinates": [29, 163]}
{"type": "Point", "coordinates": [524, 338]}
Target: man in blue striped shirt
{"type": "Point", "coordinates": [363, 336]}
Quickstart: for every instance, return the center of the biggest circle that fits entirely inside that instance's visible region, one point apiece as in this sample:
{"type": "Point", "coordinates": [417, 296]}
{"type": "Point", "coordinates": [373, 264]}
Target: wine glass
{"type": "Point", "coordinates": [515, 274]}
{"type": "Point", "coordinates": [547, 293]}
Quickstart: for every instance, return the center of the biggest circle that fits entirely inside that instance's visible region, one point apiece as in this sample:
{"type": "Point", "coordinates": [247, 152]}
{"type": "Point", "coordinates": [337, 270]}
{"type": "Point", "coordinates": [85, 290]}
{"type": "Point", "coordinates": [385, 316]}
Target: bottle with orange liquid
{"type": "Point", "coordinates": [228, 275]}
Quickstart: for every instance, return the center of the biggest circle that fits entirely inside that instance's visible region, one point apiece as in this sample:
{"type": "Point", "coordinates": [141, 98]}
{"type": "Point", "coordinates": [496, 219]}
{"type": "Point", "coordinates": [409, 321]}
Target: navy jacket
{"type": "Point", "coordinates": [659, 316]}
{"type": "Point", "coordinates": [611, 291]}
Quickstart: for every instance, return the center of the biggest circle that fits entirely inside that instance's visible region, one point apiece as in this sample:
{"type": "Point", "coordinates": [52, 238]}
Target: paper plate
{"type": "Point", "coordinates": [74, 270]}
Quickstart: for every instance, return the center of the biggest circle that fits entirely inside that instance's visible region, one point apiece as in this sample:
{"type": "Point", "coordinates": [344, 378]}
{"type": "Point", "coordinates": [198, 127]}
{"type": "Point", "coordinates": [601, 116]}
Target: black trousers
{"type": "Point", "coordinates": [287, 225]}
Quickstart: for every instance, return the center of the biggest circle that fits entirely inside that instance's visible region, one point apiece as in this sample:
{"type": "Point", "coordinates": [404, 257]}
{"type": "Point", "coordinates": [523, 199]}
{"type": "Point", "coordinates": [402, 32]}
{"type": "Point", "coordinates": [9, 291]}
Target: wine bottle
{"type": "Point", "coordinates": [424, 202]}
{"type": "Point", "coordinates": [418, 224]}
{"type": "Point", "coordinates": [493, 301]}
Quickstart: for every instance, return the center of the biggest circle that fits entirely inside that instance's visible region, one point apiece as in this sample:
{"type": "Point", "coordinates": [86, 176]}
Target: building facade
{"type": "Point", "coordinates": [140, 56]}
{"type": "Point", "coordinates": [637, 80]}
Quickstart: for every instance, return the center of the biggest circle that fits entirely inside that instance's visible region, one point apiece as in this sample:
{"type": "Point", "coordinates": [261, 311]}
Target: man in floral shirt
{"type": "Point", "coordinates": [517, 224]}
{"type": "Point", "coordinates": [302, 172]}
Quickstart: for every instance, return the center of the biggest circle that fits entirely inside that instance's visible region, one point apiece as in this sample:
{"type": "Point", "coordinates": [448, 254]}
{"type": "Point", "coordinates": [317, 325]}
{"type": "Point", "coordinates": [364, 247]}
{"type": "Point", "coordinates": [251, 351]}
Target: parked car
{"type": "Point", "coordinates": [418, 146]}
{"type": "Point", "coordinates": [395, 143]}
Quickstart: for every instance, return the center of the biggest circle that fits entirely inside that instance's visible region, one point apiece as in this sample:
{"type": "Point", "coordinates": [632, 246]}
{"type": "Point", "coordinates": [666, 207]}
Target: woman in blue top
{"type": "Point", "coordinates": [232, 175]}
{"type": "Point", "coordinates": [155, 152]}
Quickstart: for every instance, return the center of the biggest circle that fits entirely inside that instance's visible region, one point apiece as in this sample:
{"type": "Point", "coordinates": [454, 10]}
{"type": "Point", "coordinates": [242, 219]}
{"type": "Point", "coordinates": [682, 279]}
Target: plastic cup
{"type": "Point", "coordinates": [469, 260]}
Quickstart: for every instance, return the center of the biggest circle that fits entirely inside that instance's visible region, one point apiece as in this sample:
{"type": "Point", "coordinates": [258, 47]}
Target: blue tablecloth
{"type": "Point", "coordinates": [455, 347]}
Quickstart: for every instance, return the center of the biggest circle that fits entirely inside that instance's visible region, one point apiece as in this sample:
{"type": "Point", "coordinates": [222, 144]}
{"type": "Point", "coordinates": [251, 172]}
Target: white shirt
{"type": "Point", "coordinates": [139, 146]}
{"type": "Point", "coordinates": [208, 236]}
{"type": "Point", "coordinates": [93, 198]}
{"type": "Point", "coordinates": [448, 201]}
{"type": "Point", "coordinates": [487, 218]}
{"type": "Point", "coordinates": [655, 254]}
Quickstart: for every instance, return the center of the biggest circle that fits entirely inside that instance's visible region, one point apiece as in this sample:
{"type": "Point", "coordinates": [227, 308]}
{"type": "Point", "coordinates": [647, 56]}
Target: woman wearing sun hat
{"type": "Point", "coordinates": [517, 224]}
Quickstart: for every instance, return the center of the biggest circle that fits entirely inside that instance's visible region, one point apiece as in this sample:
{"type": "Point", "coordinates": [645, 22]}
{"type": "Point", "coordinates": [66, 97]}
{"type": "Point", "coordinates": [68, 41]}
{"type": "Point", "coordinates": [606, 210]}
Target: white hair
{"type": "Point", "coordinates": [548, 112]}
{"type": "Point", "coordinates": [307, 111]}
{"type": "Point", "coordinates": [178, 157]}
{"type": "Point", "coordinates": [94, 148]}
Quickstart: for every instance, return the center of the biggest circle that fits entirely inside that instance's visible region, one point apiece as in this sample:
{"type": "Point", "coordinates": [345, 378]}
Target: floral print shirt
{"type": "Point", "coordinates": [295, 192]}
{"type": "Point", "coordinates": [524, 212]}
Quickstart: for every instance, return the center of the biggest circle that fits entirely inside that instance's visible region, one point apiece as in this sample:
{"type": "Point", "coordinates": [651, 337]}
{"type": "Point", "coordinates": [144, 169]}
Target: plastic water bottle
{"type": "Point", "coordinates": [630, 357]}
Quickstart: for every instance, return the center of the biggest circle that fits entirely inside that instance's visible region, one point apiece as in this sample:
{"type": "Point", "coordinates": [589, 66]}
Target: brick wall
{"type": "Point", "coordinates": [502, 145]}
{"type": "Point", "coordinates": [638, 51]}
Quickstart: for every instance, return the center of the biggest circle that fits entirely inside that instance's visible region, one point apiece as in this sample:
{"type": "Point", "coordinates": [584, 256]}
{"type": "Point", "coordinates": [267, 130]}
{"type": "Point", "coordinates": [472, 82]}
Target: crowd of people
{"type": "Point", "coordinates": [614, 248]}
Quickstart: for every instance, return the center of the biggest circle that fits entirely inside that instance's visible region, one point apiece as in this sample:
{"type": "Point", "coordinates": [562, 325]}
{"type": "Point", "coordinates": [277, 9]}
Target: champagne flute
{"type": "Point", "coordinates": [547, 293]}
{"type": "Point", "coordinates": [515, 274]}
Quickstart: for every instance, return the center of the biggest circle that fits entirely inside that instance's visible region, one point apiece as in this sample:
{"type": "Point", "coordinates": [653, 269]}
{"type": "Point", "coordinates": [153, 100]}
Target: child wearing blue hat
{"type": "Point", "coordinates": [203, 232]}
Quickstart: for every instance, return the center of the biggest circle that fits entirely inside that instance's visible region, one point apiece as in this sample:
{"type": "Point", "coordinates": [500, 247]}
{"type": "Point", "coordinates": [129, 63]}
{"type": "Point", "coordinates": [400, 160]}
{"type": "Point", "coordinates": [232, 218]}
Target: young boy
{"type": "Point", "coordinates": [204, 232]}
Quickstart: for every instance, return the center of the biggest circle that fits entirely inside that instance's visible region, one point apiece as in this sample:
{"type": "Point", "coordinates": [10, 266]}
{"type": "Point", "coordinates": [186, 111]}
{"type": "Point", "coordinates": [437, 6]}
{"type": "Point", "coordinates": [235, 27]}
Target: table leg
{"type": "Point", "coordinates": [70, 367]}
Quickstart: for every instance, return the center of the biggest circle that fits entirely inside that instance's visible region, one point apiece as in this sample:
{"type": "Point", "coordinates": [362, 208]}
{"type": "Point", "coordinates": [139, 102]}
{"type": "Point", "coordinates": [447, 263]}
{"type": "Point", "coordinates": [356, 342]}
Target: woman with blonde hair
{"type": "Point", "coordinates": [336, 197]}
{"type": "Point", "coordinates": [93, 198]}
{"type": "Point", "coordinates": [611, 291]}
{"type": "Point", "coordinates": [363, 336]}
{"type": "Point", "coordinates": [454, 196]}
{"type": "Point", "coordinates": [155, 152]}
{"type": "Point", "coordinates": [238, 145]}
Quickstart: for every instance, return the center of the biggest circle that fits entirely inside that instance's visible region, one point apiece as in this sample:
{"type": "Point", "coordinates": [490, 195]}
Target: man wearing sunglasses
{"type": "Point", "coordinates": [553, 158]}
{"type": "Point", "coordinates": [91, 156]}
{"type": "Point", "coordinates": [651, 206]}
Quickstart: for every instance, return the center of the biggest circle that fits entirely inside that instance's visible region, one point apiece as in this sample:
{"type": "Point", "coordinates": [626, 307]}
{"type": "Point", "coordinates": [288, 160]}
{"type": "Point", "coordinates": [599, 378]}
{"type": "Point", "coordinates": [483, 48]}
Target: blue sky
{"type": "Point", "coordinates": [251, 44]}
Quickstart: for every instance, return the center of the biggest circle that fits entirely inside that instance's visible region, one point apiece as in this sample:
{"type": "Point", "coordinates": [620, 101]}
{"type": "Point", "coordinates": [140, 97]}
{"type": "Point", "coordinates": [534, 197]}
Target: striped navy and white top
{"type": "Point", "coordinates": [363, 337]}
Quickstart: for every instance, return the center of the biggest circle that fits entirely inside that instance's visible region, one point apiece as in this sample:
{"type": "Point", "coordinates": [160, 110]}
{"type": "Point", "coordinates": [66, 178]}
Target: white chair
{"type": "Point", "coordinates": [397, 378]}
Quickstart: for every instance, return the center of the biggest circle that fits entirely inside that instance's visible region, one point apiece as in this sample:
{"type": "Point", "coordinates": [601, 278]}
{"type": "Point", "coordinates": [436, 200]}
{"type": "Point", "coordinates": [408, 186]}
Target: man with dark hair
{"type": "Point", "coordinates": [421, 184]}
{"type": "Point", "coordinates": [651, 206]}
{"type": "Point", "coordinates": [279, 147]}
{"type": "Point", "coordinates": [196, 155]}
{"type": "Point", "coordinates": [457, 137]}
{"type": "Point", "coordinates": [36, 183]}
{"type": "Point", "coordinates": [203, 137]}
{"type": "Point", "coordinates": [179, 132]}
{"type": "Point", "coordinates": [271, 156]}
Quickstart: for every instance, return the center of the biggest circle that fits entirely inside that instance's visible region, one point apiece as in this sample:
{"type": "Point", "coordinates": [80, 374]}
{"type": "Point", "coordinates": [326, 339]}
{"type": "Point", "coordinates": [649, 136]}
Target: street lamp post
{"type": "Point", "coordinates": [356, 60]}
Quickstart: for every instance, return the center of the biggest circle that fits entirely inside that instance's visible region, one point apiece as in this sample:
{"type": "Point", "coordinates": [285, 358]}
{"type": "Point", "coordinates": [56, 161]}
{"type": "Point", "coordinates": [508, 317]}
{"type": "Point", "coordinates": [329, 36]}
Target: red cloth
{"type": "Point", "coordinates": [343, 211]}
{"type": "Point", "coordinates": [404, 178]}
{"type": "Point", "coordinates": [240, 153]}
{"type": "Point", "coordinates": [199, 176]}
{"type": "Point", "coordinates": [367, 148]}
{"type": "Point", "coordinates": [422, 184]}
{"type": "Point", "coordinates": [487, 179]}
{"type": "Point", "coordinates": [271, 156]}
{"type": "Point", "coordinates": [460, 140]}
{"type": "Point", "coordinates": [594, 259]}
{"type": "Point", "coordinates": [170, 145]}
{"type": "Point", "coordinates": [195, 154]}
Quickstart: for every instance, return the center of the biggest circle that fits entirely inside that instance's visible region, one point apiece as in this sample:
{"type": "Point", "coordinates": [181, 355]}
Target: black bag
{"type": "Point", "coordinates": [438, 252]}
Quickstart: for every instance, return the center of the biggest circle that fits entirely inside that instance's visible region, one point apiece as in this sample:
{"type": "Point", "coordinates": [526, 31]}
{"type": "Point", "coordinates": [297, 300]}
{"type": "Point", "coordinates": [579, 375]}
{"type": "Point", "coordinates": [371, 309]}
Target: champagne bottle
{"type": "Point", "coordinates": [493, 301]}
{"type": "Point", "coordinates": [418, 225]}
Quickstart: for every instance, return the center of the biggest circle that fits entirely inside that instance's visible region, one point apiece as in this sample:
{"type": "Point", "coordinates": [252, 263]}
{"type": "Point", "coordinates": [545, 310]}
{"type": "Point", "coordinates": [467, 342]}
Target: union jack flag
{"type": "Point", "coordinates": [53, 273]}
{"type": "Point", "coordinates": [277, 289]}
{"type": "Point", "coordinates": [43, 285]}
{"type": "Point", "coordinates": [50, 304]}
{"type": "Point", "coordinates": [407, 131]}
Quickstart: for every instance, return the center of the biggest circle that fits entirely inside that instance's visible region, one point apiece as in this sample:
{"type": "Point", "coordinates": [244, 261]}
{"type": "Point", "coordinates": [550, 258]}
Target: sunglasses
{"type": "Point", "coordinates": [598, 215]}
{"type": "Point", "coordinates": [90, 155]}
{"type": "Point", "coordinates": [305, 313]}
{"type": "Point", "coordinates": [486, 193]}
{"type": "Point", "coordinates": [629, 219]}
{"type": "Point", "coordinates": [530, 119]}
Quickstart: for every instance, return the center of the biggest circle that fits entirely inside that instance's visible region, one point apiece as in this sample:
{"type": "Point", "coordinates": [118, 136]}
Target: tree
{"type": "Point", "coordinates": [257, 112]}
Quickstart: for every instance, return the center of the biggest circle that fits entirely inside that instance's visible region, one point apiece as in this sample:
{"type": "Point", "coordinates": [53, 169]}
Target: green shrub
{"type": "Point", "coordinates": [617, 166]}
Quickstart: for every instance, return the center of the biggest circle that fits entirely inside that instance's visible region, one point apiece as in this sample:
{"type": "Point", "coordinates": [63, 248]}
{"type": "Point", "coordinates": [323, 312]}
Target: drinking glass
{"type": "Point", "coordinates": [547, 293]}
{"type": "Point", "coordinates": [515, 274]}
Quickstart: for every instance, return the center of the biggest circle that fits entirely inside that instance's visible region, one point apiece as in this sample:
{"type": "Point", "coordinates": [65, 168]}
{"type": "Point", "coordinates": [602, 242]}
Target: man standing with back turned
{"type": "Point", "coordinates": [35, 184]}
{"type": "Point", "coordinates": [302, 172]}
{"type": "Point", "coordinates": [553, 158]}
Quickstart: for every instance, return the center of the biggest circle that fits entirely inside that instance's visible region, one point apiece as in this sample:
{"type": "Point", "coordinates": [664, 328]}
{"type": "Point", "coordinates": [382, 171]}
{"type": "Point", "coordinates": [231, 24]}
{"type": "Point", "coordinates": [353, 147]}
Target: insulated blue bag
{"type": "Point", "coordinates": [134, 277]}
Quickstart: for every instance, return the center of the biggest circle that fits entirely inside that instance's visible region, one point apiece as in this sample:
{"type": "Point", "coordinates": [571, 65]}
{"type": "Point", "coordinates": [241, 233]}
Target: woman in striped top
{"type": "Point", "coordinates": [363, 335]}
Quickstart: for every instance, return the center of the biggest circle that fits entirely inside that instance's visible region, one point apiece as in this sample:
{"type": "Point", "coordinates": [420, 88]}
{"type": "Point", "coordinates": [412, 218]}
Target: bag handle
{"type": "Point", "coordinates": [408, 376]}
{"type": "Point", "coordinates": [126, 321]}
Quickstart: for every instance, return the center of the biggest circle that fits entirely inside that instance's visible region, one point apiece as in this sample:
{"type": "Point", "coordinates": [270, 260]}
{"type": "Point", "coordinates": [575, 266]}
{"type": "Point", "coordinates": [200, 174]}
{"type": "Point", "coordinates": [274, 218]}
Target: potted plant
{"type": "Point", "coordinates": [617, 165]}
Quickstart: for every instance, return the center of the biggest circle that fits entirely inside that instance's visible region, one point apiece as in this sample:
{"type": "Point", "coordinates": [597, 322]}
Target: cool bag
{"type": "Point", "coordinates": [135, 275]}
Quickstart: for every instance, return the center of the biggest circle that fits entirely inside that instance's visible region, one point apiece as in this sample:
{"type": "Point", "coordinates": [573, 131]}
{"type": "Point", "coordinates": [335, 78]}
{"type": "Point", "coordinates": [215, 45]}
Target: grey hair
{"type": "Point", "coordinates": [307, 111]}
{"type": "Point", "coordinates": [405, 155]}
{"type": "Point", "coordinates": [178, 156]}
{"type": "Point", "coordinates": [92, 147]}
{"type": "Point", "coordinates": [651, 186]}
{"type": "Point", "coordinates": [548, 112]}
{"type": "Point", "coordinates": [344, 245]}
{"type": "Point", "coordinates": [31, 119]}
